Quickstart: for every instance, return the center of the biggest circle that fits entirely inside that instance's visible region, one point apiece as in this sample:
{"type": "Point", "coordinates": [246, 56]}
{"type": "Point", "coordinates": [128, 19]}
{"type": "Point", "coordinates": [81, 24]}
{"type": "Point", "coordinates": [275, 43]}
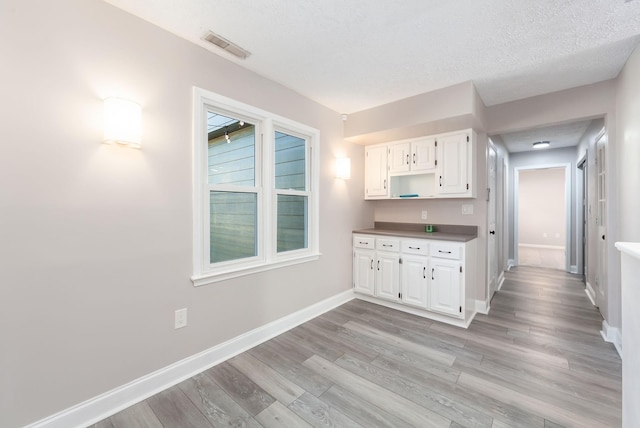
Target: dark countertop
{"type": "Point", "coordinates": [412, 230]}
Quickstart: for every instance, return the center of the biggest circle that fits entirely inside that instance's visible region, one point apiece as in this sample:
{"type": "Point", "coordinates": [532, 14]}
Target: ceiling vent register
{"type": "Point", "coordinates": [226, 45]}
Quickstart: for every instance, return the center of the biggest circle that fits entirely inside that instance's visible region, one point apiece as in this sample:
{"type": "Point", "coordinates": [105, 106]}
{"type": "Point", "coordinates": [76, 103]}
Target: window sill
{"type": "Point", "coordinates": [223, 275]}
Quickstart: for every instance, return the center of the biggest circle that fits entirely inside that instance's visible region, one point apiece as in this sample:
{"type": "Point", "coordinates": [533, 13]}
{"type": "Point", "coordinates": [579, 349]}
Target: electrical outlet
{"type": "Point", "coordinates": [467, 209]}
{"type": "Point", "coordinates": [424, 215]}
{"type": "Point", "coordinates": [181, 318]}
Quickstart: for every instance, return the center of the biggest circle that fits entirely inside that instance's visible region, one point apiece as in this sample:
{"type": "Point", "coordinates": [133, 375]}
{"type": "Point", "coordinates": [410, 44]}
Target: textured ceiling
{"type": "Point", "coordinates": [353, 55]}
{"type": "Point", "coordinates": [566, 135]}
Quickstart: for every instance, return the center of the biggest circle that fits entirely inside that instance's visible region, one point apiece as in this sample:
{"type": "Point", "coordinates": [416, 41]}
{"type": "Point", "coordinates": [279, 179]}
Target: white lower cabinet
{"type": "Point", "coordinates": [414, 280]}
{"type": "Point", "coordinates": [445, 291]}
{"type": "Point", "coordinates": [387, 281]}
{"type": "Point", "coordinates": [431, 278]}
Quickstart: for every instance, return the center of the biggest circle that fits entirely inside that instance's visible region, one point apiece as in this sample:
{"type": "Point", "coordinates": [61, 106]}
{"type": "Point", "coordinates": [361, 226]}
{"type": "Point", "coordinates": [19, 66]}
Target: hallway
{"type": "Point", "coordinates": [537, 360]}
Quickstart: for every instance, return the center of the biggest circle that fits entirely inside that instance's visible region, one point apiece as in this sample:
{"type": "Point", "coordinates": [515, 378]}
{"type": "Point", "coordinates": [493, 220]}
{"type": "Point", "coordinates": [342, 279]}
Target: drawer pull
{"type": "Point", "coordinates": [387, 245]}
{"type": "Point", "coordinates": [444, 252]}
{"type": "Point", "coordinates": [363, 243]}
{"type": "Point", "coordinates": [414, 248]}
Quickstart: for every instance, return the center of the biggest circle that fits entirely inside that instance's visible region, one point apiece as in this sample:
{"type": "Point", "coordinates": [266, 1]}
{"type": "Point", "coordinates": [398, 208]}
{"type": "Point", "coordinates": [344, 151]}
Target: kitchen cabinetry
{"type": "Point", "coordinates": [363, 264]}
{"type": "Point", "coordinates": [415, 266]}
{"type": "Point", "coordinates": [431, 278]}
{"type": "Point", "coordinates": [375, 170]}
{"type": "Point", "coordinates": [453, 170]}
{"type": "Point", "coordinates": [437, 166]}
{"type": "Point", "coordinates": [387, 279]}
{"type": "Point", "coordinates": [412, 156]}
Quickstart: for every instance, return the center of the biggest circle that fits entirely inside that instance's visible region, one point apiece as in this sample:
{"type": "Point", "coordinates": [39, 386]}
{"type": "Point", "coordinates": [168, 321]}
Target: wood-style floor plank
{"type": "Point", "coordinates": [536, 360]}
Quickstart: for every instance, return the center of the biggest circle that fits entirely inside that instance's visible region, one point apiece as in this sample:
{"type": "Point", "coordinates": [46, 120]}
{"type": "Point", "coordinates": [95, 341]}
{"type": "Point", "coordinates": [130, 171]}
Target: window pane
{"type": "Point", "coordinates": [233, 225]}
{"type": "Point", "coordinates": [290, 164]}
{"type": "Point", "coordinates": [232, 151]}
{"type": "Point", "coordinates": [292, 222]}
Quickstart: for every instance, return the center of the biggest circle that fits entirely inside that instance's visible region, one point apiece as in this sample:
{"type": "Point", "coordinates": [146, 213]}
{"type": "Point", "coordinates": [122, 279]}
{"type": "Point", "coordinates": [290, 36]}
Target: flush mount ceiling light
{"type": "Point", "coordinates": [226, 45]}
{"type": "Point", "coordinates": [540, 144]}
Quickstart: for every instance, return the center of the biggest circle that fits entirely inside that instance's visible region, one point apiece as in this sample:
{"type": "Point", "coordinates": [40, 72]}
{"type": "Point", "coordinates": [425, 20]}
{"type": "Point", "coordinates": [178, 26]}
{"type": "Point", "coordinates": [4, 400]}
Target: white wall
{"type": "Point", "coordinates": [96, 239]}
{"type": "Point", "coordinates": [541, 207]}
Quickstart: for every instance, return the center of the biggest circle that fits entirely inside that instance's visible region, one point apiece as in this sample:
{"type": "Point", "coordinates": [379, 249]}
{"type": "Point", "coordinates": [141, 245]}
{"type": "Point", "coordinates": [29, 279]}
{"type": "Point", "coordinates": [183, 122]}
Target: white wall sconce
{"type": "Point", "coordinates": [122, 122]}
{"type": "Point", "coordinates": [343, 168]}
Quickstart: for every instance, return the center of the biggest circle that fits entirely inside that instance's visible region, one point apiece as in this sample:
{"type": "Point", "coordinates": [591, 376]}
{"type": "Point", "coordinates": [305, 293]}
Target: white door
{"type": "Point", "coordinates": [376, 172]}
{"type": "Point", "coordinates": [388, 276]}
{"type": "Point", "coordinates": [423, 155]}
{"type": "Point", "coordinates": [363, 271]}
{"type": "Point", "coordinates": [444, 294]}
{"type": "Point", "coordinates": [601, 219]}
{"type": "Point", "coordinates": [452, 164]}
{"type": "Point", "coordinates": [492, 248]}
{"type": "Point", "coordinates": [414, 280]}
{"type": "Point", "coordinates": [399, 157]}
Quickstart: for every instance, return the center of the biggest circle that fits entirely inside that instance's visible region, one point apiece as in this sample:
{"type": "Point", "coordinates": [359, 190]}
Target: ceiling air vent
{"type": "Point", "coordinates": [226, 45]}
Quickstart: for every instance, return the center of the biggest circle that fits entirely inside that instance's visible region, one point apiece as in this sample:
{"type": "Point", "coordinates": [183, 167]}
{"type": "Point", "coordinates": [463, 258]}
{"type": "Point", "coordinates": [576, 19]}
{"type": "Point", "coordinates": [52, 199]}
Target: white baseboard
{"type": "Point", "coordinates": [500, 281]}
{"type": "Point", "coordinates": [573, 269]}
{"type": "Point", "coordinates": [111, 402]}
{"type": "Point", "coordinates": [591, 294]}
{"type": "Point", "coordinates": [482, 307]}
{"type": "Point", "coordinates": [542, 247]}
{"type": "Point", "coordinates": [612, 335]}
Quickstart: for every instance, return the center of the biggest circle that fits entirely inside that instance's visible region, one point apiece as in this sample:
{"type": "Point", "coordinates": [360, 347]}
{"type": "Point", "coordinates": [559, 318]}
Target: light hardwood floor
{"type": "Point", "coordinates": [537, 360]}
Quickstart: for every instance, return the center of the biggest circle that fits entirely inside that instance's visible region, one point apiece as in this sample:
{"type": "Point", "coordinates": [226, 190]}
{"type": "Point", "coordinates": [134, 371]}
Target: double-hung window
{"type": "Point", "coordinates": [255, 190]}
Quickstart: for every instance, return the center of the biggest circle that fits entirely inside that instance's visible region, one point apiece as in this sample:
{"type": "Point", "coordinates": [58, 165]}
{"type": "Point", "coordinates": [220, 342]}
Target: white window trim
{"type": "Point", "coordinates": [267, 256]}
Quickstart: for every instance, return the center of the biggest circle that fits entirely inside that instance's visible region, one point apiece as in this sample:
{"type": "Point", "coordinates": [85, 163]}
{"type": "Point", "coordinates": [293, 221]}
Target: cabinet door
{"type": "Point", "coordinates": [423, 155]}
{"type": "Point", "coordinates": [399, 157]}
{"type": "Point", "coordinates": [453, 167]}
{"type": "Point", "coordinates": [363, 271]}
{"type": "Point", "coordinates": [375, 171]}
{"type": "Point", "coordinates": [445, 288]}
{"type": "Point", "coordinates": [387, 276]}
{"type": "Point", "coordinates": [414, 280]}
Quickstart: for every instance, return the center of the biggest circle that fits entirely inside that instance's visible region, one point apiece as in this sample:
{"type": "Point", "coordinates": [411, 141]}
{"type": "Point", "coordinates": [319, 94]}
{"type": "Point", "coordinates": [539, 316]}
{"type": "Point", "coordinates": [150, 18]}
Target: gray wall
{"type": "Point", "coordinates": [96, 242]}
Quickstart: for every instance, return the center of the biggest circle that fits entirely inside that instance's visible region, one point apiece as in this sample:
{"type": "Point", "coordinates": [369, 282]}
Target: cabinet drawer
{"type": "Point", "coordinates": [385, 244]}
{"type": "Point", "coordinates": [446, 251]}
{"type": "Point", "coordinates": [364, 242]}
{"type": "Point", "coordinates": [420, 247]}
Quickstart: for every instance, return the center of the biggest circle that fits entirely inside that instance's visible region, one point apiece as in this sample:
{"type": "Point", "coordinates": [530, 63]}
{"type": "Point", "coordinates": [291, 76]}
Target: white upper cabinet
{"type": "Point", "coordinates": [453, 168]}
{"type": "Point", "coordinates": [375, 172]}
{"type": "Point", "coordinates": [399, 157]}
{"type": "Point", "coordinates": [438, 166]}
{"type": "Point", "coordinates": [423, 154]}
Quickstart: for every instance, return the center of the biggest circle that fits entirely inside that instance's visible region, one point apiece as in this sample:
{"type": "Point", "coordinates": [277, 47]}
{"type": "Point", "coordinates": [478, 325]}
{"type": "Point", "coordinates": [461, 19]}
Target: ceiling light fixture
{"type": "Point", "coordinates": [541, 145]}
{"type": "Point", "coordinates": [226, 45]}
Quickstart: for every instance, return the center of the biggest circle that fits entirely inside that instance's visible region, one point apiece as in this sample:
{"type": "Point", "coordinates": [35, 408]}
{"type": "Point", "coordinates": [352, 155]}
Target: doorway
{"type": "Point", "coordinates": [542, 211]}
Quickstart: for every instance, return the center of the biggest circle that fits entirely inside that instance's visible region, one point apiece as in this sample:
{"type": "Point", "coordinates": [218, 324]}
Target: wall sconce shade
{"type": "Point", "coordinates": [122, 122]}
{"type": "Point", "coordinates": [343, 168]}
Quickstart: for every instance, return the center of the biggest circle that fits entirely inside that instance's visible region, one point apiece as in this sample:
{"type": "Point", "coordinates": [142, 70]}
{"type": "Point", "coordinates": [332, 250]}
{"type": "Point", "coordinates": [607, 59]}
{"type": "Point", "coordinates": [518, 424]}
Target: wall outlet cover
{"type": "Point", "coordinates": [467, 209]}
{"type": "Point", "coordinates": [424, 215]}
{"type": "Point", "coordinates": [180, 318]}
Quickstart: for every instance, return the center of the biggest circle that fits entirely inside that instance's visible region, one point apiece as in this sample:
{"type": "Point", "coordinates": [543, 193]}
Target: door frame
{"type": "Point", "coordinates": [497, 226]}
{"type": "Point", "coordinates": [582, 226]}
{"type": "Point", "coordinates": [567, 201]}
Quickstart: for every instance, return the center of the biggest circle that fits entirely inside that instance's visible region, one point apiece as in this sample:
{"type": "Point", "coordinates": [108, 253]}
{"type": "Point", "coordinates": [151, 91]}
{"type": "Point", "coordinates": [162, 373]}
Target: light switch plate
{"type": "Point", "coordinates": [467, 209]}
{"type": "Point", "coordinates": [424, 215]}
